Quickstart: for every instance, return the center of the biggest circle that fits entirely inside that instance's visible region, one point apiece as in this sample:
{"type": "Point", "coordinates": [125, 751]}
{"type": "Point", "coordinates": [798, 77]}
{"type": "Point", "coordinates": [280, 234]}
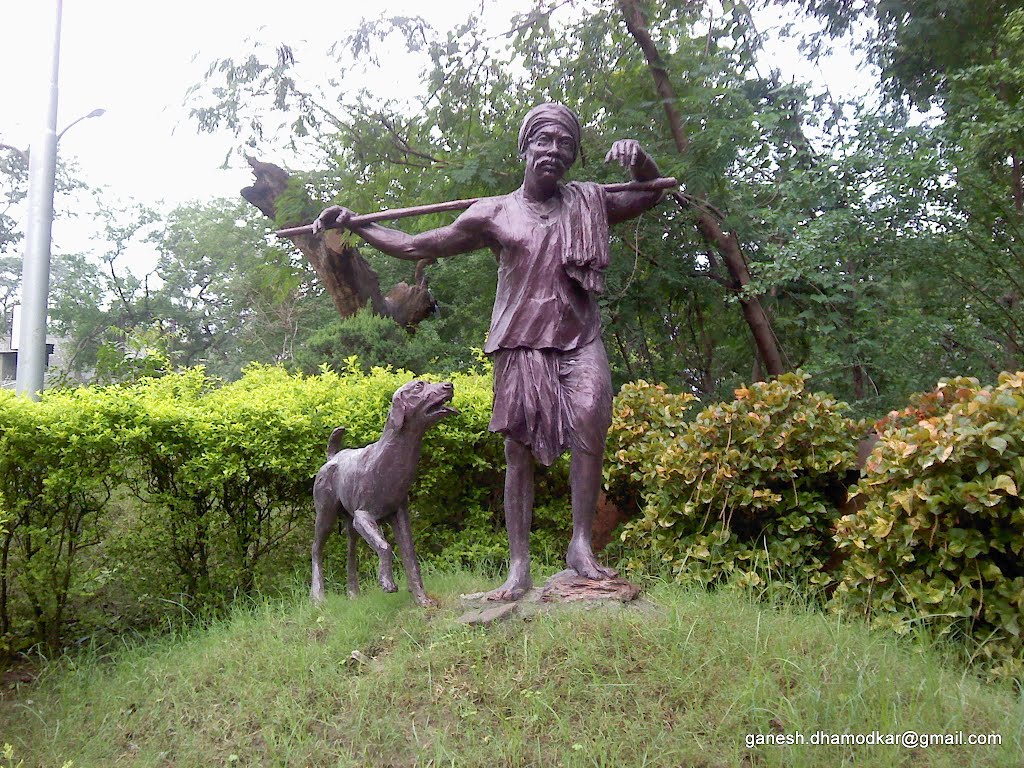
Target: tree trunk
{"type": "Point", "coordinates": [5, 551]}
{"type": "Point", "coordinates": [858, 381]}
{"type": "Point", "coordinates": [1012, 343]}
{"type": "Point", "coordinates": [708, 224]}
{"type": "Point", "coordinates": [347, 277]}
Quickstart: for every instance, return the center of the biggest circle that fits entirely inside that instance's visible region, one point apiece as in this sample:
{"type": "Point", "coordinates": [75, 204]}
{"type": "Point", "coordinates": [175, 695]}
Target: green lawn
{"type": "Point", "coordinates": [681, 684]}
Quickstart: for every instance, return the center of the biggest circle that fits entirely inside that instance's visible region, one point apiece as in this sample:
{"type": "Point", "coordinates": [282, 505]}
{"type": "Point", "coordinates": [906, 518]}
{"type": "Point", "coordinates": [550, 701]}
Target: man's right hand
{"type": "Point", "coordinates": [335, 217]}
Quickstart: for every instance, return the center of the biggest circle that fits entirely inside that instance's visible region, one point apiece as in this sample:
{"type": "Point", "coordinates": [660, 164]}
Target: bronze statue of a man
{"type": "Point", "coordinates": [552, 383]}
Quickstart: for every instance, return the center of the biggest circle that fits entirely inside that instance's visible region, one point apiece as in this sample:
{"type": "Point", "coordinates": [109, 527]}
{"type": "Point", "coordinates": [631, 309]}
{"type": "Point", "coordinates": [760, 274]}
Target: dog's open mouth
{"type": "Point", "coordinates": [442, 408]}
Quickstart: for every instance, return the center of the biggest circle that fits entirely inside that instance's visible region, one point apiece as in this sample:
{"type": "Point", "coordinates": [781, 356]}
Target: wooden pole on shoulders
{"type": "Point", "coordinates": [459, 205]}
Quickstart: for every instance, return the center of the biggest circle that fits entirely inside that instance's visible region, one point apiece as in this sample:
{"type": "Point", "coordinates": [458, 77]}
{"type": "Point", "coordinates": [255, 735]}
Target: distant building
{"type": "Point", "coordinates": [9, 353]}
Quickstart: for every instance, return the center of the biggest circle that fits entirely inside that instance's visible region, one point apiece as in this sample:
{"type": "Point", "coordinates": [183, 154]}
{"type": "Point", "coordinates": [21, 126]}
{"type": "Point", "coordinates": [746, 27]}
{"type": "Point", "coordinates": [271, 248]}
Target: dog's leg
{"type": "Point", "coordinates": [326, 514]}
{"type": "Point", "coordinates": [403, 537]}
{"type": "Point", "coordinates": [370, 531]}
{"type": "Point", "coordinates": [351, 565]}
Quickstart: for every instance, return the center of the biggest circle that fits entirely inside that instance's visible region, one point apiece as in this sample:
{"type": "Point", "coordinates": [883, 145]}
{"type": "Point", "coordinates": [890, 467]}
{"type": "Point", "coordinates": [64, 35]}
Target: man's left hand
{"type": "Point", "coordinates": [627, 152]}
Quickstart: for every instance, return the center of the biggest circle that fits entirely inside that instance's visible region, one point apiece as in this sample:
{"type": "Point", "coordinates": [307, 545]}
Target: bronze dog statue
{"type": "Point", "coordinates": [371, 485]}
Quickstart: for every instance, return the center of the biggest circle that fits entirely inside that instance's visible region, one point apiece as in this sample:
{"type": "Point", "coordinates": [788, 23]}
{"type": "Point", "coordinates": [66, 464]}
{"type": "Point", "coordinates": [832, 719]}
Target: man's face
{"type": "Point", "coordinates": [550, 152]}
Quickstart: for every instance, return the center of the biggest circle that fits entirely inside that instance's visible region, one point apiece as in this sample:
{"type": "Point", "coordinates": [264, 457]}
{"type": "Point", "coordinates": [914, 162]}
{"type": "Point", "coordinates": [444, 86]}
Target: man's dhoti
{"type": "Point", "coordinates": [550, 400]}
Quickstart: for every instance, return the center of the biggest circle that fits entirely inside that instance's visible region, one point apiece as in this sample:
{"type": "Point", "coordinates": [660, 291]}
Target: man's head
{"type": "Point", "coordinates": [550, 133]}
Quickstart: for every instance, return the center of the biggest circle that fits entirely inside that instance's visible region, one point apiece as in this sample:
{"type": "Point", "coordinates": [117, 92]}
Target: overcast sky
{"type": "Point", "coordinates": [136, 59]}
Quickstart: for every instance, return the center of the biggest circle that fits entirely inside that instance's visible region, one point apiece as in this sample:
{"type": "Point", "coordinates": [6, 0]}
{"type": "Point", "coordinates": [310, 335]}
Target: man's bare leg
{"type": "Point", "coordinates": [585, 484]}
{"type": "Point", "coordinates": [518, 517]}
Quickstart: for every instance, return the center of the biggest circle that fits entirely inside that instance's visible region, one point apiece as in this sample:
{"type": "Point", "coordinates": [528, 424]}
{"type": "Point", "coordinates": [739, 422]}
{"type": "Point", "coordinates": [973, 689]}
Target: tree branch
{"type": "Point", "coordinates": [709, 219]}
{"type": "Point", "coordinates": [22, 153]}
{"type": "Point", "coordinates": [346, 276]}
{"type": "Point", "coordinates": [637, 26]}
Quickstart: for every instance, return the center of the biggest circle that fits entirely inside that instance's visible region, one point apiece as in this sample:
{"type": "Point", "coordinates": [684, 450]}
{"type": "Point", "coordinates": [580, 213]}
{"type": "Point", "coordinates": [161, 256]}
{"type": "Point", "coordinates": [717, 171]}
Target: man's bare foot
{"type": "Point", "coordinates": [511, 590]}
{"type": "Point", "coordinates": [585, 564]}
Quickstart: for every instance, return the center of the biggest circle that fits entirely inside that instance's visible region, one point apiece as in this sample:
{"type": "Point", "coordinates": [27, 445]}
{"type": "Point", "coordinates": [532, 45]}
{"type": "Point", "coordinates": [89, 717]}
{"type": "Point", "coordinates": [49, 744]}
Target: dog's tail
{"type": "Point", "coordinates": [334, 442]}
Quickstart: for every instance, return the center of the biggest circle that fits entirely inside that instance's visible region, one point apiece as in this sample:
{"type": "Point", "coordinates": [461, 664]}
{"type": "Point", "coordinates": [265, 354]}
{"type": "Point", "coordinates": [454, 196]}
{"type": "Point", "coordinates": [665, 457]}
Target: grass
{"type": "Point", "coordinates": [679, 685]}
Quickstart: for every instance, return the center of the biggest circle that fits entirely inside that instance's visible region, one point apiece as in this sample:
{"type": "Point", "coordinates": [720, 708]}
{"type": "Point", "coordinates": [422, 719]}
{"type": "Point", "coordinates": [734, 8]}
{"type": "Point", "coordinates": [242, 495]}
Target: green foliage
{"type": "Point", "coordinates": [225, 472]}
{"type": "Point", "coordinates": [277, 684]}
{"type": "Point", "coordinates": [76, 314]}
{"type": "Point", "coordinates": [124, 504]}
{"type": "Point", "coordinates": [294, 207]}
{"type": "Point", "coordinates": [140, 354]}
{"type": "Point", "coordinates": [96, 307]}
{"type": "Point", "coordinates": [377, 342]}
{"type": "Point", "coordinates": [984, 102]}
{"type": "Point", "coordinates": [920, 45]}
{"type": "Point", "coordinates": [228, 297]}
{"type": "Point", "coordinates": [960, 253]}
{"type": "Point", "coordinates": [222, 474]}
{"type": "Point", "coordinates": [865, 250]}
{"type": "Point", "coordinates": [745, 491]}
{"type": "Point", "coordinates": [68, 188]}
{"type": "Point", "coordinates": [224, 297]}
{"type": "Point", "coordinates": [59, 460]}
{"type": "Point", "coordinates": [13, 190]}
{"type": "Point", "coordinates": [644, 416]}
{"type": "Point", "coordinates": [917, 44]}
{"type": "Point", "coordinates": [940, 537]}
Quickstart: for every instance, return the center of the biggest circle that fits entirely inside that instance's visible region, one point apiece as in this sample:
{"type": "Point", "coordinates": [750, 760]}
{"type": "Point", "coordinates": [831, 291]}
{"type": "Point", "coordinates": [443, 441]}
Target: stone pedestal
{"type": "Point", "coordinates": [569, 587]}
{"type": "Point", "coordinates": [565, 587]}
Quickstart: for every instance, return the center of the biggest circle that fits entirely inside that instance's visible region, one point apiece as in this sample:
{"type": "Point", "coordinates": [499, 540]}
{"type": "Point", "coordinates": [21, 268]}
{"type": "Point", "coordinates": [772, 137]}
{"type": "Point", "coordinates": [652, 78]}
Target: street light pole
{"type": "Point", "coordinates": [35, 287]}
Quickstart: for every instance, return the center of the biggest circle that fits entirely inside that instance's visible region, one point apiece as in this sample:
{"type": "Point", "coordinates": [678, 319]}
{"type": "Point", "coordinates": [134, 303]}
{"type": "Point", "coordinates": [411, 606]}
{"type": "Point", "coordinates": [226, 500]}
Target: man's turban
{"type": "Point", "coordinates": [546, 114]}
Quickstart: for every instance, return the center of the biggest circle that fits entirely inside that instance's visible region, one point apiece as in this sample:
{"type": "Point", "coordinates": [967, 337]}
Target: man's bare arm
{"type": "Point", "coordinates": [466, 233]}
{"type": "Point", "coordinates": [625, 205]}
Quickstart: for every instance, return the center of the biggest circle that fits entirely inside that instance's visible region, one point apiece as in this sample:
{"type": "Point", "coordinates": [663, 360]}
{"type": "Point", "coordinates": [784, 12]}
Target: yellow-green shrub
{"type": "Point", "coordinates": [746, 489]}
{"type": "Point", "coordinates": [225, 474]}
{"type": "Point", "coordinates": [941, 535]}
{"type": "Point", "coordinates": [120, 503]}
{"type": "Point", "coordinates": [59, 460]}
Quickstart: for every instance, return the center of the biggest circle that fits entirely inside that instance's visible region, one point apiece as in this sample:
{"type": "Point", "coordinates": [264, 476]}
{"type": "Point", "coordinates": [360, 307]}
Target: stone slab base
{"type": "Point", "coordinates": [565, 587]}
{"type": "Point", "coordinates": [568, 587]}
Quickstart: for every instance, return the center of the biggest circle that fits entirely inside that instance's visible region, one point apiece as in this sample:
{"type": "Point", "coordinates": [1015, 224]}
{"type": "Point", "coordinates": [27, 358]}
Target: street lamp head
{"type": "Point", "coordinates": [77, 120]}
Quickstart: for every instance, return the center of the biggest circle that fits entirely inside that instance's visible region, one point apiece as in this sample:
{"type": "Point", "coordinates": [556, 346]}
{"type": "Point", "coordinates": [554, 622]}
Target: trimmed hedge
{"type": "Point", "coordinates": [121, 505]}
{"type": "Point", "coordinates": [58, 459]}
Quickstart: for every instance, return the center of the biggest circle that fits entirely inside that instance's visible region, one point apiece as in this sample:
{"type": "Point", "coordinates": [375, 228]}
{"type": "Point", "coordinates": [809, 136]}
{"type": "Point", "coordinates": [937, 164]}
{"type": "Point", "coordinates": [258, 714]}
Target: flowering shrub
{"type": "Point", "coordinates": [940, 537]}
{"type": "Point", "coordinates": [745, 490]}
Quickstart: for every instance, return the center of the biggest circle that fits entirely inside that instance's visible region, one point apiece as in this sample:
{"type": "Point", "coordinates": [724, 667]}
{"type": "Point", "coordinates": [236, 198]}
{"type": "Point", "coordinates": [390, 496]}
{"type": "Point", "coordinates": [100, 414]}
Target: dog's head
{"type": "Point", "coordinates": [419, 405]}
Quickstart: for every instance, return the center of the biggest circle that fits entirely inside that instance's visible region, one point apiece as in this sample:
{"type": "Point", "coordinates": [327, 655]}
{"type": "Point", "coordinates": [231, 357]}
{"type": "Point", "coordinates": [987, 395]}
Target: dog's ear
{"type": "Point", "coordinates": [398, 407]}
